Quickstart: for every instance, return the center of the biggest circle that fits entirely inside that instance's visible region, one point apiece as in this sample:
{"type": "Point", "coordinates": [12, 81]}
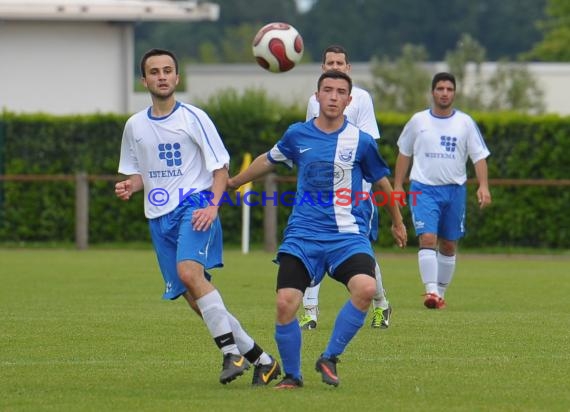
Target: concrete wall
{"type": "Point", "coordinates": [66, 67]}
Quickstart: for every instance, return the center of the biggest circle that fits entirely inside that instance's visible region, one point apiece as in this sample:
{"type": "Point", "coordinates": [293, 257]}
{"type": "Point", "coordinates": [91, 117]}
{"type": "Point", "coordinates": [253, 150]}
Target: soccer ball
{"type": "Point", "coordinates": [277, 47]}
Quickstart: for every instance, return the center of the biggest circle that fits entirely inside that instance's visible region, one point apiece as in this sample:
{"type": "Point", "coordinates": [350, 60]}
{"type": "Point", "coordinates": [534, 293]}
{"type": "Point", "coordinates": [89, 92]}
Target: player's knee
{"type": "Point", "coordinates": [428, 241]}
{"type": "Point", "coordinates": [362, 288]}
{"type": "Point", "coordinates": [369, 290]}
{"type": "Point", "coordinates": [447, 247]}
{"type": "Point", "coordinates": [287, 303]}
{"type": "Point", "coordinates": [191, 276]}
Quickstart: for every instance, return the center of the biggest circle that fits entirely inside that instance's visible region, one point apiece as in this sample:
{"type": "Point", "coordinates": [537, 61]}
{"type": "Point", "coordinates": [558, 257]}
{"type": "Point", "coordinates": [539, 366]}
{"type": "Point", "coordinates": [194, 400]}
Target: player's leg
{"type": "Point", "coordinates": [311, 306]}
{"type": "Point", "coordinates": [425, 216]}
{"type": "Point", "coordinates": [452, 228]}
{"type": "Point", "coordinates": [184, 276]}
{"type": "Point", "coordinates": [266, 368]}
{"type": "Point", "coordinates": [292, 279]}
{"type": "Point", "coordinates": [382, 310]}
{"type": "Point", "coordinates": [198, 250]}
{"type": "Point", "coordinates": [446, 259]}
{"type": "Point", "coordinates": [357, 273]}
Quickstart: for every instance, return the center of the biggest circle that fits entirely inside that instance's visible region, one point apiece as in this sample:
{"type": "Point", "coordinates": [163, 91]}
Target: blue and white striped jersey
{"type": "Point", "coordinates": [331, 170]}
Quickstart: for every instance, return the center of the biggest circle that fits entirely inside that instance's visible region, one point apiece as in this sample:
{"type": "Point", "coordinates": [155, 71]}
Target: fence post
{"type": "Point", "coordinates": [81, 211]}
{"type": "Point", "coordinates": [270, 215]}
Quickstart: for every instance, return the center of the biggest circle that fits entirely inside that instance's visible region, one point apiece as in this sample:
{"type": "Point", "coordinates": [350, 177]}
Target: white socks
{"type": "Point", "coordinates": [436, 270]}
{"type": "Point", "coordinates": [380, 300]}
{"type": "Point", "coordinates": [311, 296]}
{"type": "Point", "coordinates": [427, 260]}
{"type": "Point", "coordinates": [445, 270]}
{"type": "Point", "coordinates": [215, 316]}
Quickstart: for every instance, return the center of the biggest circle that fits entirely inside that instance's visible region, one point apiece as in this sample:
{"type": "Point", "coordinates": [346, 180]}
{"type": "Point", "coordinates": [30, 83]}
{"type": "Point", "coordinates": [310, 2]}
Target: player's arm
{"type": "Point", "coordinates": [258, 168]}
{"type": "Point", "coordinates": [203, 218]}
{"type": "Point", "coordinates": [483, 193]}
{"type": "Point", "coordinates": [398, 228]}
{"type": "Point", "coordinates": [125, 188]}
{"type": "Point", "coordinates": [401, 171]}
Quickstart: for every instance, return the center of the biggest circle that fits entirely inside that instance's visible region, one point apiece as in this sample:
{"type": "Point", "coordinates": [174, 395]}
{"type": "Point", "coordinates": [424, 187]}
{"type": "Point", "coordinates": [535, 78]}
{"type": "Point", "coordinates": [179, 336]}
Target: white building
{"type": "Point", "coordinates": [77, 56]}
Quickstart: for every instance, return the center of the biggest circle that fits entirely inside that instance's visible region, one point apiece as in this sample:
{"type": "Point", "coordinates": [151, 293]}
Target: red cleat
{"type": "Point", "coordinates": [432, 301]}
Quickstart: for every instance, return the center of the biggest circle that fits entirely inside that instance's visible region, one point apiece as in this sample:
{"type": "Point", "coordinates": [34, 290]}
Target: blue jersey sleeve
{"type": "Point", "coordinates": [284, 150]}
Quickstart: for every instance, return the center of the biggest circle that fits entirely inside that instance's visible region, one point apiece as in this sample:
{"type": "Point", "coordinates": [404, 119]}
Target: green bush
{"type": "Point", "coordinates": [522, 147]}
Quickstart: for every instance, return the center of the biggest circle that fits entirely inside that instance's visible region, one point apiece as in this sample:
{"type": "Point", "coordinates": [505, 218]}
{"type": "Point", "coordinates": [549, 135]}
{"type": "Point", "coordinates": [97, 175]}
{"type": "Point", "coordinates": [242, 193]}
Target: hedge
{"type": "Point", "coordinates": [522, 147]}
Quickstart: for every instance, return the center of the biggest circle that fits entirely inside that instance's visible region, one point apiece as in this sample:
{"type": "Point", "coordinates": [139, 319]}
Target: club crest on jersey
{"type": "Point", "coordinates": [345, 155]}
{"type": "Point", "coordinates": [322, 175]}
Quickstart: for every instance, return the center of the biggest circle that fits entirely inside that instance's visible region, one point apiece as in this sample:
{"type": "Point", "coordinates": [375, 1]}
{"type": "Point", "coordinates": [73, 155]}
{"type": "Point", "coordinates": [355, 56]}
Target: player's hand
{"type": "Point", "coordinates": [231, 184]}
{"type": "Point", "coordinates": [483, 197]}
{"type": "Point", "coordinates": [400, 234]}
{"type": "Point", "coordinates": [124, 189]}
{"type": "Point", "coordinates": [202, 219]}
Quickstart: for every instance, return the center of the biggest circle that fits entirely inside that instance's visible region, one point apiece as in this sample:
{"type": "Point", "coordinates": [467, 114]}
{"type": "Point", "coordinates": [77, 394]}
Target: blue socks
{"type": "Point", "coordinates": [288, 339]}
{"type": "Point", "coordinates": [348, 321]}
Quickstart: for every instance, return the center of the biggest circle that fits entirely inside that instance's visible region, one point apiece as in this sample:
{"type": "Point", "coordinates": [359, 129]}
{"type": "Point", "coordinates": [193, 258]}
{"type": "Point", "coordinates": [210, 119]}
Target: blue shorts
{"type": "Point", "coordinates": [324, 256]}
{"type": "Point", "coordinates": [439, 210]}
{"type": "Point", "coordinates": [175, 240]}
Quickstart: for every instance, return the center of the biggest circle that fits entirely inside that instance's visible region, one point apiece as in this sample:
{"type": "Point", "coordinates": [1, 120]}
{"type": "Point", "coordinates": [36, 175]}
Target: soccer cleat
{"type": "Point", "coordinates": [233, 366]}
{"type": "Point", "coordinates": [381, 317]}
{"type": "Point", "coordinates": [432, 301]}
{"type": "Point", "coordinates": [289, 382]}
{"type": "Point", "coordinates": [327, 368]}
{"type": "Point", "coordinates": [307, 322]}
{"type": "Point", "coordinates": [263, 374]}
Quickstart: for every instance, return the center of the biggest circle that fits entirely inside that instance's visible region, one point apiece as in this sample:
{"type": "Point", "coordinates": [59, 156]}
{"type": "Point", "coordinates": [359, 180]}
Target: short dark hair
{"type": "Point", "coordinates": [443, 76]}
{"type": "Point", "coordinates": [335, 74]}
{"type": "Point", "coordinates": [157, 52]}
{"type": "Point", "coordinates": [335, 48]}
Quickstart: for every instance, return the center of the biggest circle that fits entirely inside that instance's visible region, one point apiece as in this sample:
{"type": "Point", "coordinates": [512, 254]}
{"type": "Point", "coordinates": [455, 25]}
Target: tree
{"type": "Point", "coordinates": [512, 87]}
{"type": "Point", "coordinates": [401, 85]}
{"type": "Point", "coordinates": [467, 50]}
{"type": "Point", "coordinates": [556, 29]}
{"type": "Point", "coordinates": [381, 28]}
{"type": "Point", "coordinates": [227, 40]}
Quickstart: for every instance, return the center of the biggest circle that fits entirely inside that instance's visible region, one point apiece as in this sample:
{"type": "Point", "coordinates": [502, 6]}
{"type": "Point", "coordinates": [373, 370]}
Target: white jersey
{"type": "Point", "coordinates": [440, 147]}
{"type": "Point", "coordinates": [175, 155]}
{"type": "Point", "coordinates": [360, 111]}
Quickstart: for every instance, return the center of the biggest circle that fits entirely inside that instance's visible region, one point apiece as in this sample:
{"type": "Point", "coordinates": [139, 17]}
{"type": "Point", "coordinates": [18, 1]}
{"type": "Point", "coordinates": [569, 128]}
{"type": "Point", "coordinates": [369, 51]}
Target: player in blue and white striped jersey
{"type": "Point", "coordinates": [359, 112]}
{"type": "Point", "coordinates": [328, 228]}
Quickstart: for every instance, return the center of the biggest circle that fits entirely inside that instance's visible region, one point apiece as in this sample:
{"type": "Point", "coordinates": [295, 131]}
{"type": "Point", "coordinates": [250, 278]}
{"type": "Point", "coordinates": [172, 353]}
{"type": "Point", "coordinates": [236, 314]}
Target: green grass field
{"type": "Point", "coordinates": [88, 331]}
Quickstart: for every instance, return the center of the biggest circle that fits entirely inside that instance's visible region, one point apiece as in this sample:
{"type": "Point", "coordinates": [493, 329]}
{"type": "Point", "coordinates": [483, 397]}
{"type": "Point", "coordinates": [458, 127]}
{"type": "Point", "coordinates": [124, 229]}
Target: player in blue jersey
{"type": "Point", "coordinates": [359, 112]}
{"type": "Point", "coordinates": [440, 140]}
{"type": "Point", "coordinates": [172, 146]}
{"type": "Point", "coordinates": [325, 232]}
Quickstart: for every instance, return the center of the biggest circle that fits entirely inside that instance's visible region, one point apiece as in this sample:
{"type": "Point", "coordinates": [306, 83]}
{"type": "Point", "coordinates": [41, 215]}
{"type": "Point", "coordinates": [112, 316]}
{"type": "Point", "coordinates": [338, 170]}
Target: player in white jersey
{"type": "Point", "coordinates": [359, 112]}
{"type": "Point", "coordinates": [174, 153]}
{"type": "Point", "coordinates": [326, 234]}
{"type": "Point", "coordinates": [440, 140]}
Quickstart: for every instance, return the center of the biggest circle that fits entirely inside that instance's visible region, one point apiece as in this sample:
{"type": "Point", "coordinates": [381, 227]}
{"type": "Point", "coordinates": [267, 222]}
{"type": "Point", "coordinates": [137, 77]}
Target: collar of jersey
{"type": "Point", "coordinates": [442, 117]}
{"type": "Point", "coordinates": [150, 116]}
{"type": "Point", "coordinates": [340, 129]}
